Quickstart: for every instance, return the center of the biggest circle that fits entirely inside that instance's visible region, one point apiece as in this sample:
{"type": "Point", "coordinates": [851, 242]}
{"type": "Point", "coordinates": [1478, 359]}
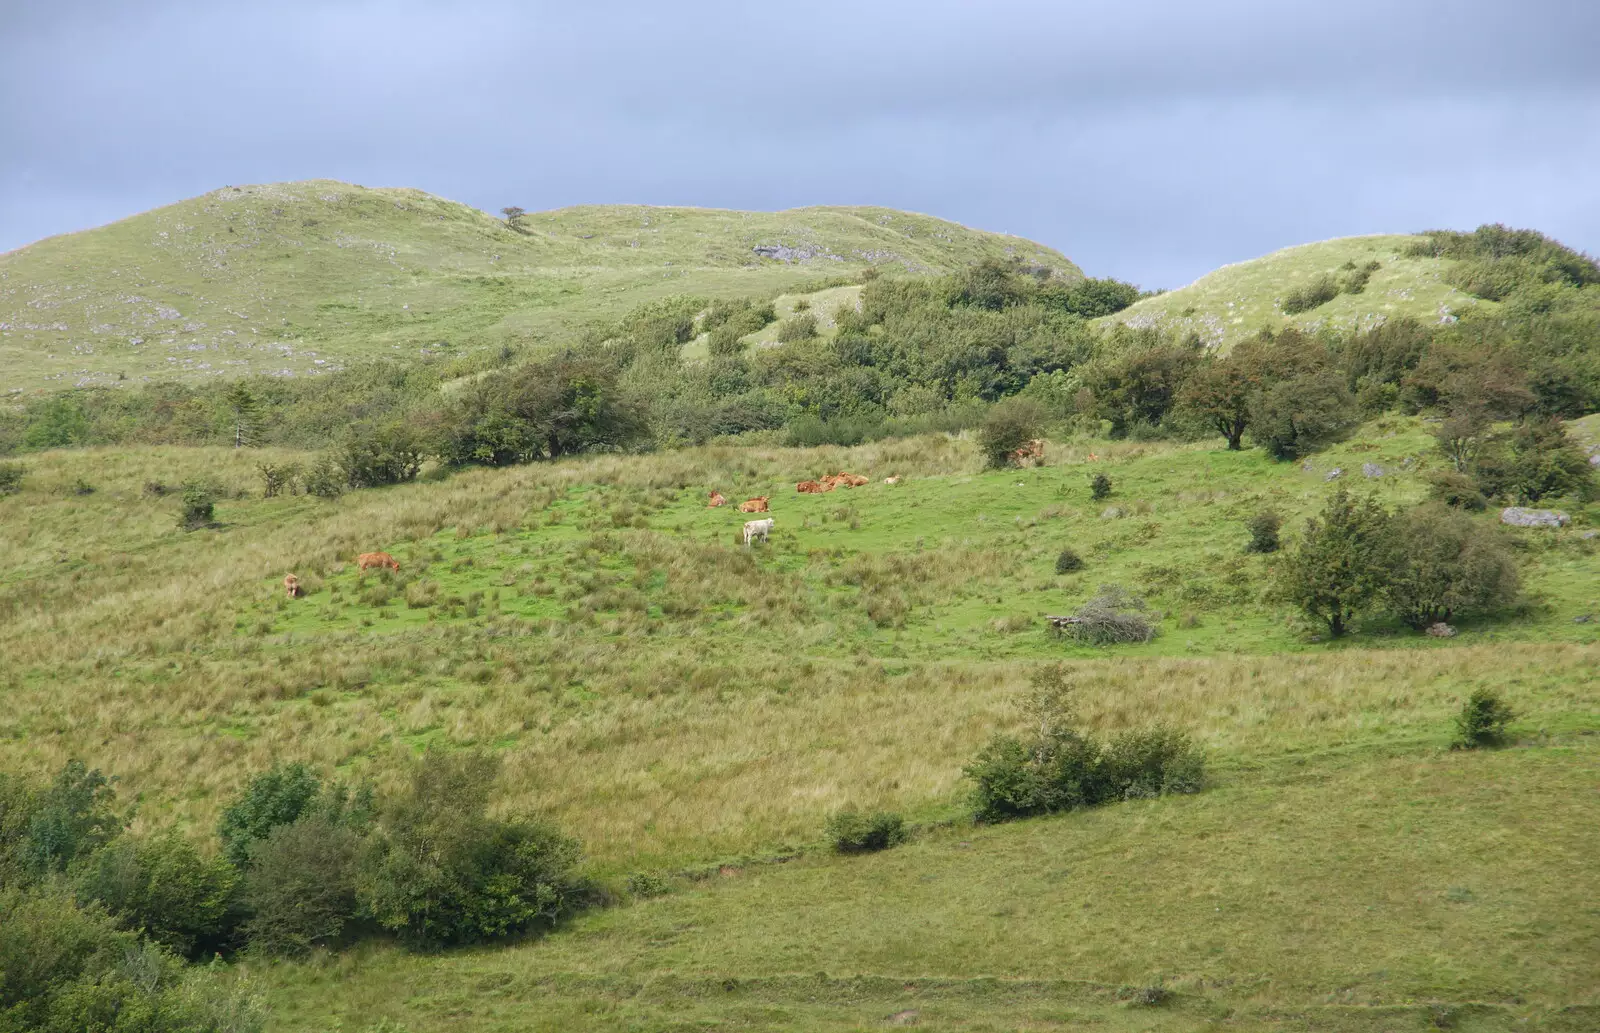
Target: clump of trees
{"type": "Point", "coordinates": [1055, 765]}
{"type": "Point", "coordinates": [1426, 566]}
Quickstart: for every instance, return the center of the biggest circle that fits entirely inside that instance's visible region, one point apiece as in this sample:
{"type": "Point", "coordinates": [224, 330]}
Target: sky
{"type": "Point", "coordinates": [1151, 140]}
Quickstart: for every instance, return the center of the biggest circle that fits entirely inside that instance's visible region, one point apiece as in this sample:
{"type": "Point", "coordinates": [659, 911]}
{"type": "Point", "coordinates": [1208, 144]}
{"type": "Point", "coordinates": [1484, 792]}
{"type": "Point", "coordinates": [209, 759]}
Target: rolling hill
{"type": "Point", "coordinates": [1238, 300]}
{"type": "Point", "coordinates": [294, 278]}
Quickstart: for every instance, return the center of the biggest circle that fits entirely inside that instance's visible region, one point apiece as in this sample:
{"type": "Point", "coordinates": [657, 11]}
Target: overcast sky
{"type": "Point", "coordinates": [1147, 139]}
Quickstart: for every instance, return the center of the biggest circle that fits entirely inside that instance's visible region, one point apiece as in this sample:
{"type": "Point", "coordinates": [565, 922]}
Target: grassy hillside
{"type": "Point", "coordinates": [695, 710]}
{"type": "Point", "coordinates": [1238, 300]}
{"type": "Point", "coordinates": [295, 278]}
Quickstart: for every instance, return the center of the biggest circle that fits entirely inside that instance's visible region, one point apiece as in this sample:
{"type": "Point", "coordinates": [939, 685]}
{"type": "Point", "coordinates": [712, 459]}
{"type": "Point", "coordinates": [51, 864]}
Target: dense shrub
{"type": "Point", "coordinates": [1057, 767]}
{"type": "Point", "coordinates": [853, 832]}
{"type": "Point", "coordinates": [1110, 617]}
{"type": "Point", "coordinates": [1068, 562]}
{"type": "Point", "coordinates": [1321, 290]}
{"type": "Point", "coordinates": [11, 478]}
{"type": "Point", "coordinates": [277, 478]}
{"type": "Point", "coordinates": [1482, 721]}
{"type": "Point", "coordinates": [1263, 528]}
{"type": "Point", "coordinates": [542, 410]}
{"type": "Point", "coordinates": [301, 887]}
{"type": "Point", "coordinates": [324, 479]}
{"type": "Point", "coordinates": [390, 453]}
{"type": "Point", "coordinates": [801, 327]}
{"type": "Point", "coordinates": [1139, 378]}
{"type": "Point", "coordinates": [438, 870]}
{"type": "Point", "coordinates": [1100, 487]}
{"type": "Point", "coordinates": [1297, 416]}
{"type": "Point", "coordinates": [161, 886]}
{"type": "Point", "coordinates": [278, 796]}
{"type": "Point", "coordinates": [73, 817]}
{"type": "Point", "coordinates": [1537, 460]}
{"type": "Point", "coordinates": [1456, 490]}
{"type": "Point", "coordinates": [1353, 278]}
{"type": "Point", "coordinates": [198, 503]}
{"type": "Point", "coordinates": [1342, 563]}
{"type": "Point", "coordinates": [1011, 424]}
{"type": "Point", "coordinates": [1447, 566]}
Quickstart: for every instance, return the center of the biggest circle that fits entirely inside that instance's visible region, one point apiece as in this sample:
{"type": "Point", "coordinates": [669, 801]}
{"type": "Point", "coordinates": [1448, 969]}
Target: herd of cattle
{"type": "Point", "coordinates": [753, 529]}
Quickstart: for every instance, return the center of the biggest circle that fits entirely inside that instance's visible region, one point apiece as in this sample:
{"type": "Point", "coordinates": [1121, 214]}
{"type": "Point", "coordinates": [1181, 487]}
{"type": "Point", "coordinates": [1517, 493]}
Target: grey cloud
{"type": "Point", "coordinates": [1149, 140]}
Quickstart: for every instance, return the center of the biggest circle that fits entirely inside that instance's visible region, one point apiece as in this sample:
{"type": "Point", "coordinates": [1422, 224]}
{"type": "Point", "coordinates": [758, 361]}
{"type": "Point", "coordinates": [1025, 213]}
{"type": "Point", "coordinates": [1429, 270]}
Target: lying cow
{"type": "Point", "coordinates": [716, 500]}
{"type": "Point", "coordinates": [755, 505]}
{"type": "Point", "coordinates": [849, 480]}
{"type": "Point", "coordinates": [754, 529]}
{"type": "Point", "coordinates": [810, 488]}
{"type": "Point", "coordinates": [381, 560]}
{"type": "Point", "coordinates": [291, 585]}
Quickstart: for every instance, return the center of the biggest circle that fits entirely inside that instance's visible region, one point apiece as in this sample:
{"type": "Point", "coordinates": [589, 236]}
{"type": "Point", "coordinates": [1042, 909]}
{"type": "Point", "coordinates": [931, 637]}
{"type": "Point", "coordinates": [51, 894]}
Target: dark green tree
{"type": "Point", "coordinates": [1342, 563]}
{"type": "Point", "coordinates": [1448, 566]}
{"type": "Point", "coordinates": [1010, 424]}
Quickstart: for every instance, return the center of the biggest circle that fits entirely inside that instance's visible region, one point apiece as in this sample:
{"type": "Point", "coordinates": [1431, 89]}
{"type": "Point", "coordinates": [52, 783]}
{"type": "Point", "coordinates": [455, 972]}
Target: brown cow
{"type": "Point", "coordinates": [1033, 450]}
{"type": "Point", "coordinates": [755, 505]}
{"type": "Point", "coordinates": [850, 480]}
{"type": "Point", "coordinates": [809, 488]}
{"type": "Point", "coordinates": [291, 585]}
{"type": "Point", "coordinates": [892, 480]}
{"type": "Point", "coordinates": [716, 500]}
{"type": "Point", "coordinates": [381, 560]}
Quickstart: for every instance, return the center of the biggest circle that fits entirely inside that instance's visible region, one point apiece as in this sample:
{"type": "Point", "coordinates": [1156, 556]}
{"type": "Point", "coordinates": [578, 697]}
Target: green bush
{"type": "Point", "coordinates": [1298, 415]}
{"type": "Point", "coordinates": [438, 870]}
{"type": "Point", "coordinates": [1446, 566]}
{"type": "Point", "coordinates": [198, 503]}
{"type": "Point", "coordinates": [80, 486]}
{"type": "Point", "coordinates": [301, 886]}
{"type": "Point", "coordinates": [1537, 460]}
{"type": "Point", "coordinates": [1321, 290]}
{"type": "Point", "coordinates": [1010, 424]}
{"type": "Point", "coordinates": [163, 888]}
{"type": "Point", "coordinates": [1456, 490]}
{"type": "Point", "coordinates": [69, 820]}
{"type": "Point", "coordinates": [1342, 564]}
{"type": "Point", "coordinates": [1057, 767]}
{"type": "Point", "coordinates": [324, 480]}
{"type": "Point", "coordinates": [1263, 528]}
{"type": "Point", "coordinates": [1068, 562]}
{"type": "Point", "coordinates": [801, 327]}
{"type": "Point", "coordinates": [1100, 487]}
{"type": "Point", "coordinates": [648, 884]}
{"type": "Point", "coordinates": [11, 478]}
{"type": "Point", "coordinates": [277, 478]}
{"type": "Point", "coordinates": [278, 796]}
{"type": "Point", "coordinates": [390, 453]}
{"type": "Point", "coordinates": [1482, 721]}
{"type": "Point", "coordinates": [852, 832]}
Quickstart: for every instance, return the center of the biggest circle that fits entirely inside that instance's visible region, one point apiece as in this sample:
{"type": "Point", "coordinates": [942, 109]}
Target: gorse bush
{"type": "Point", "coordinates": [1010, 425]}
{"type": "Point", "coordinates": [1057, 767]}
{"type": "Point", "coordinates": [1342, 563]}
{"type": "Point", "coordinates": [1100, 487]}
{"type": "Point", "coordinates": [1456, 490]}
{"type": "Point", "coordinates": [1068, 562]}
{"type": "Point", "coordinates": [854, 832]}
{"type": "Point", "coordinates": [1321, 290]}
{"type": "Point", "coordinates": [1263, 528]}
{"type": "Point", "coordinates": [198, 505]}
{"type": "Point", "coordinates": [1483, 721]}
{"type": "Point", "coordinates": [801, 327]}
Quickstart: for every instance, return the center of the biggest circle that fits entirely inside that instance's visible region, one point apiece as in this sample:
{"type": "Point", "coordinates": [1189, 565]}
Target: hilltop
{"type": "Point", "coordinates": [295, 278]}
{"type": "Point", "coordinates": [1236, 301]}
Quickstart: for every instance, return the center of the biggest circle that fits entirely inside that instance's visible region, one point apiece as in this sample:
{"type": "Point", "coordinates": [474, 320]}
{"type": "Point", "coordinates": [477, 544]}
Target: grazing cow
{"type": "Point", "coordinates": [892, 480]}
{"type": "Point", "coordinates": [754, 529]}
{"type": "Point", "coordinates": [1031, 451]}
{"type": "Point", "coordinates": [381, 560]}
{"type": "Point", "coordinates": [291, 585]}
{"type": "Point", "coordinates": [716, 500]}
{"type": "Point", "coordinates": [755, 505]}
{"type": "Point", "coordinates": [809, 488]}
{"type": "Point", "coordinates": [1093, 458]}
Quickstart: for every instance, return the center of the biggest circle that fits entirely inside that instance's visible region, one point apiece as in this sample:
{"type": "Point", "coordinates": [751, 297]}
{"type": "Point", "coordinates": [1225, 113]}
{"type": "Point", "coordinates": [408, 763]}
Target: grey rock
{"type": "Point", "coordinates": [1584, 619]}
{"type": "Point", "coordinates": [1372, 470]}
{"type": "Point", "coordinates": [1594, 460]}
{"type": "Point", "coordinates": [1440, 630]}
{"type": "Point", "coordinates": [1589, 534]}
{"type": "Point", "coordinates": [1334, 474]}
{"type": "Point", "coordinates": [1517, 516]}
{"type": "Point", "coordinates": [1113, 513]}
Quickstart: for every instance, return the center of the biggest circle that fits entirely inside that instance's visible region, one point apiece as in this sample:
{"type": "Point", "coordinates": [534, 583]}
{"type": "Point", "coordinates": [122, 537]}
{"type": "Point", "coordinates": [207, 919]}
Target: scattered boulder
{"type": "Point", "coordinates": [1583, 618]}
{"type": "Point", "coordinates": [1517, 516]}
{"type": "Point", "coordinates": [1440, 630]}
{"type": "Point", "coordinates": [1334, 474]}
{"type": "Point", "coordinates": [1594, 460]}
{"type": "Point", "coordinates": [1587, 535]}
{"type": "Point", "coordinates": [1113, 513]}
{"type": "Point", "coordinates": [1371, 470]}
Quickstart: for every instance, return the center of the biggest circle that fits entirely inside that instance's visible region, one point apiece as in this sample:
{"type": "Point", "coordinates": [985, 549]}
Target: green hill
{"type": "Point", "coordinates": [1238, 300]}
{"type": "Point", "coordinates": [296, 278]}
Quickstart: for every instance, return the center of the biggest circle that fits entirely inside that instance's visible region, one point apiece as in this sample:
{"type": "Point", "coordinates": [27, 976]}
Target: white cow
{"type": "Point", "coordinates": [754, 529]}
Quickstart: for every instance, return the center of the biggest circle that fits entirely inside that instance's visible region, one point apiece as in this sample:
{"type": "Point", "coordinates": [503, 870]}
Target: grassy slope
{"type": "Point", "coordinates": [591, 616]}
{"type": "Point", "coordinates": [296, 277]}
{"type": "Point", "coordinates": [1238, 300]}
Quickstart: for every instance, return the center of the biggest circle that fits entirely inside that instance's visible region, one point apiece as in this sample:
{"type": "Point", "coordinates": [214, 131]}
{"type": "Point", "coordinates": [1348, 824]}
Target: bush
{"type": "Point", "coordinates": [11, 478]}
{"type": "Point", "coordinates": [438, 870]}
{"type": "Point", "coordinates": [1068, 562]}
{"type": "Point", "coordinates": [1010, 424]}
{"type": "Point", "coordinates": [1321, 290]}
{"type": "Point", "coordinates": [277, 478]}
{"type": "Point", "coordinates": [301, 887]}
{"type": "Point", "coordinates": [1100, 487]}
{"type": "Point", "coordinates": [1110, 617]}
{"type": "Point", "coordinates": [1058, 768]}
{"type": "Point", "coordinates": [1538, 460]}
{"type": "Point", "coordinates": [648, 884]}
{"type": "Point", "coordinates": [392, 453]}
{"type": "Point", "coordinates": [278, 796]}
{"type": "Point", "coordinates": [1456, 490]}
{"type": "Point", "coordinates": [1342, 564]}
{"type": "Point", "coordinates": [198, 503]}
{"type": "Point", "coordinates": [801, 327]}
{"type": "Point", "coordinates": [1263, 528]}
{"type": "Point", "coordinates": [1447, 566]}
{"type": "Point", "coordinates": [163, 888]}
{"type": "Point", "coordinates": [1482, 721]}
{"type": "Point", "coordinates": [70, 820]}
{"type": "Point", "coordinates": [80, 486]}
{"type": "Point", "coordinates": [1299, 415]}
{"type": "Point", "coordinates": [852, 832]}
{"type": "Point", "coordinates": [324, 480]}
